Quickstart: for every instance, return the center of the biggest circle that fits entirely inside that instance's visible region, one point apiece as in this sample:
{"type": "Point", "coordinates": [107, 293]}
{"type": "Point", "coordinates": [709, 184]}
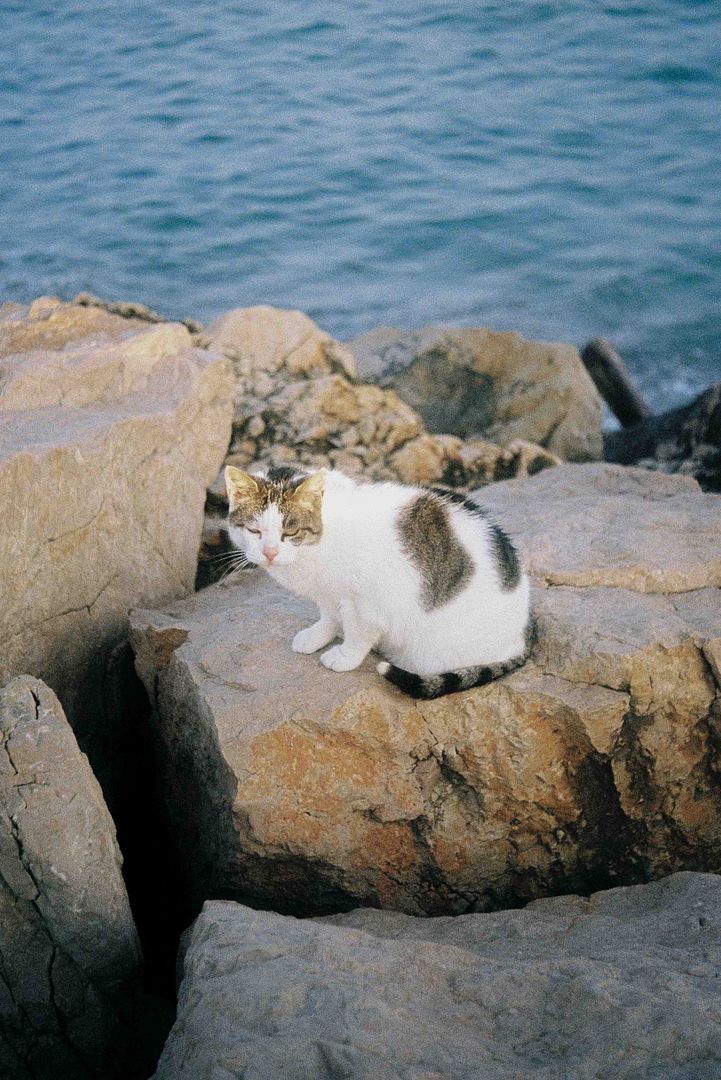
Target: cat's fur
{"type": "Point", "coordinates": [420, 575]}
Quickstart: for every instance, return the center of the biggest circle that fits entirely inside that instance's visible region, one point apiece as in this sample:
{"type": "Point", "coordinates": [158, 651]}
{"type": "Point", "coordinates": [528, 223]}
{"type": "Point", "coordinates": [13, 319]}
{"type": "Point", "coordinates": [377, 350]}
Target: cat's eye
{"type": "Point", "coordinates": [288, 534]}
{"type": "Point", "coordinates": [255, 532]}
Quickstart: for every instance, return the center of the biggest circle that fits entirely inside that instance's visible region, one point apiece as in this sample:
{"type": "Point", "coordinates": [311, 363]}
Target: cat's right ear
{"type": "Point", "coordinates": [239, 485]}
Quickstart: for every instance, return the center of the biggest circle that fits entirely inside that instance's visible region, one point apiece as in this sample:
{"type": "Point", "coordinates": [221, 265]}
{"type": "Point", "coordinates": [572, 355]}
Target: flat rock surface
{"type": "Point", "coordinates": [476, 382]}
{"type": "Point", "coordinates": [626, 983]}
{"type": "Point", "coordinates": [612, 526]}
{"type": "Point", "coordinates": [111, 430]}
{"type": "Point", "coordinates": [597, 762]}
{"type": "Point", "coordinates": [68, 944]}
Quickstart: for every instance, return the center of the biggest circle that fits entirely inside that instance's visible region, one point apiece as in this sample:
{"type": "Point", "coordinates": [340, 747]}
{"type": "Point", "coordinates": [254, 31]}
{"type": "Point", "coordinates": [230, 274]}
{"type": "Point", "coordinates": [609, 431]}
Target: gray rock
{"type": "Point", "coordinates": [68, 944]}
{"type": "Point", "coordinates": [500, 386]}
{"type": "Point", "coordinates": [598, 761]}
{"type": "Point", "coordinates": [626, 983]}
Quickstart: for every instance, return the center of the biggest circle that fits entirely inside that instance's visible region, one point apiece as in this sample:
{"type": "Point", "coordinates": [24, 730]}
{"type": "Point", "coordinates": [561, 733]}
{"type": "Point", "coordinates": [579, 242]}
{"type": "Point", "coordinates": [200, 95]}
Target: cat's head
{"type": "Point", "coordinates": [272, 517]}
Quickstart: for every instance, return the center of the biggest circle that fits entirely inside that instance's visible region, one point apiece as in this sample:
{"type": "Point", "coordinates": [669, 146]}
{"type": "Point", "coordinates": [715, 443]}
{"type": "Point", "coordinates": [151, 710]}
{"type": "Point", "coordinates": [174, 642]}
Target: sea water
{"type": "Point", "coordinates": [553, 168]}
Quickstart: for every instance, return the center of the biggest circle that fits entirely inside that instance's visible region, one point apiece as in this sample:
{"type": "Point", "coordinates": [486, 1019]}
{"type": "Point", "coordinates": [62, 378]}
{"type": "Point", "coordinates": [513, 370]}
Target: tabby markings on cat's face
{"type": "Point", "coordinates": [271, 517]}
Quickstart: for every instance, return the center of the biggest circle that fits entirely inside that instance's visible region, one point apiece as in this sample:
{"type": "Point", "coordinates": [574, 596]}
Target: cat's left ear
{"type": "Point", "coordinates": [311, 488]}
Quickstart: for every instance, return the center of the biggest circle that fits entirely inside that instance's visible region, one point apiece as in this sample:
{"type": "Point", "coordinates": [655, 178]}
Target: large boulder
{"type": "Point", "coordinates": [597, 762]}
{"type": "Point", "coordinates": [476, 382]}
{"type": "Point", "coordinates": [49, 325]}
{"type": "Point", "coordinates": [112, 429]}
{"type": "Point", "coordinates": [298, 399]}
{"type": "Point", "coordinates": [625, 983]}
{"type": "Point", "coordinates": [68, 945]}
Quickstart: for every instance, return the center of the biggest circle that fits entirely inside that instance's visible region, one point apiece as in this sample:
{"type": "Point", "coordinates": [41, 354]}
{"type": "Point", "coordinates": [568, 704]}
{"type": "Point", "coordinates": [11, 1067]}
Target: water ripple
{"type": "Point", "coordinates": [551, 167]}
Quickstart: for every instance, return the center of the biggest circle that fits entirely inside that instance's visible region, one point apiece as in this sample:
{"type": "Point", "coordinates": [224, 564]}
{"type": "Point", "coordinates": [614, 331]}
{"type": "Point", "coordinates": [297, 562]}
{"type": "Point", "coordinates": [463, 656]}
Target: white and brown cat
{"type": "Point", "coordinates": [422, 576]}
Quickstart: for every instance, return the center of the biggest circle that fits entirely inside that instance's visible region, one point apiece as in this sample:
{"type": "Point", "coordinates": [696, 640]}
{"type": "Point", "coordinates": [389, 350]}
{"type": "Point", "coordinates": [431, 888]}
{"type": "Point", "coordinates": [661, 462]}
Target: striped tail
{"type": "Point", "coordinates": [450, 681]}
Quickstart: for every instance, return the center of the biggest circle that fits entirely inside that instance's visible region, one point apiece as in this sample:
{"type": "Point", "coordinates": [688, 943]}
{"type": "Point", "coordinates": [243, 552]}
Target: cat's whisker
{"type": "Point", "coordinates": [232, 570]}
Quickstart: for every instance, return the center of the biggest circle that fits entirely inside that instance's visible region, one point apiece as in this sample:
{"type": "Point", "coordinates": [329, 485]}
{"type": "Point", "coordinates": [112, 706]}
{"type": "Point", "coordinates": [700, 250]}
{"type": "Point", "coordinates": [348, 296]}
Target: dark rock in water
{"type": "Point", "coordinates": [685, 440]}
{"type": "Point", "coordinates": [625, 983]}
{"type": "Point", "coordinates": [68, 946]}
{"type": "Point", "coordinates": [613, 382]}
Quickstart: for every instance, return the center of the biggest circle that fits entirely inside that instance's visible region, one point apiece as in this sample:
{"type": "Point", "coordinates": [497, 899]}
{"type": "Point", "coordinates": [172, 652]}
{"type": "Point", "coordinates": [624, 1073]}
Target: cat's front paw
{"type": "Point", "coordinates": [312, 638]}
{"type": "Point", "coordinates": [338, 659]}
{"type": "Point", "coordinates": [308, 640]}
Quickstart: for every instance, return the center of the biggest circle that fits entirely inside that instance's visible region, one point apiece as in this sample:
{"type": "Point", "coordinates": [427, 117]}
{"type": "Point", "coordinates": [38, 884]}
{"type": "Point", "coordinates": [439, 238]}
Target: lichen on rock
{"type": "Point", "coordinates": [478, 382]}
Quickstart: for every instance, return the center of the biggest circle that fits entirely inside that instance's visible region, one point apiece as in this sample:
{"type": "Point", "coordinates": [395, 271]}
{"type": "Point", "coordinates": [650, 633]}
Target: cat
{"type": "Point", "coordinates": [421, 575]}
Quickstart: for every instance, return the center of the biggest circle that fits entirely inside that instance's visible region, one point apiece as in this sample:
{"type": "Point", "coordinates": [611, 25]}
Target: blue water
{"type": "Point", "coordinates": [549, 167]}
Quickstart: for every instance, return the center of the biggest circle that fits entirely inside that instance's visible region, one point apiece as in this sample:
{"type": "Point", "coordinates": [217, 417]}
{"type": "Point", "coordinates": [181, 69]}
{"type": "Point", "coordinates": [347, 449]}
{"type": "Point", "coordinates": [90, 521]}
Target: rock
{"type": "Point", "coordinates": [48, 324]}
{"type": "Point", "coordinates": [133, 311]}
{"type": "Point", "coordinates": [111, 431]}
{"type": "Point", "coordinates": [686, 440]}
{"type": "Point", "coordinates": [497, 385]}
{"type": "Point", "coordinates": [595, 763]}
{"type": "Point", "coordinates": [68, 945]}
{"type": "Point", "coordinates": [612, 526]}
{"type": "Point", "coordinates": [613, 381]}
{"type": "Point", "coordinates": [298, 401]}
{"type": "Point", "coordinates": [625, 983]}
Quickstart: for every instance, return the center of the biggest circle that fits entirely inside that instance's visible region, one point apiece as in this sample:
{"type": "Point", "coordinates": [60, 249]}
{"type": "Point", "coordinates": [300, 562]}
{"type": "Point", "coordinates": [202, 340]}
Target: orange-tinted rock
{"type": "Point", "coordinates": [596, 762]}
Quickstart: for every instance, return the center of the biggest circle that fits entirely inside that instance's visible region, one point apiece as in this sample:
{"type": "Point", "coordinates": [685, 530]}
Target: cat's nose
{"type": "Point", "coordinates": [270, 553]}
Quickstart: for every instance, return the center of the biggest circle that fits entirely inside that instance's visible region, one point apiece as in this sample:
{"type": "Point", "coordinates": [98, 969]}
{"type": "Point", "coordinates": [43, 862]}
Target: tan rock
{"type": "Point", "coordinates": [266, 339]}
{"type": "Point", "coordinates": [422, 460]}
{"type": "Point", "coordinates": [597, 761]}
{"type": "Point", "coordinates": [613, 526]}
{"type": "Point", "coordinates": [498, 385]}
{"type": "Point", "coordinates": [89, 373]}
{"type": "Point", "coordinates": [107, 444]}
{"type": "Point", "coordinates": [49, 324]}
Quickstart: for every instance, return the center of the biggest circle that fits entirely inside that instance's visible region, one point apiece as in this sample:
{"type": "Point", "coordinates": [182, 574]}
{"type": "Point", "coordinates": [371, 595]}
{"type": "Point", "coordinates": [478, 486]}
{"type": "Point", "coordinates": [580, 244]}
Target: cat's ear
{"type": "Point", "coordinates": [311, 488]}
{"type": "Point", "coordinates": [239, 485]}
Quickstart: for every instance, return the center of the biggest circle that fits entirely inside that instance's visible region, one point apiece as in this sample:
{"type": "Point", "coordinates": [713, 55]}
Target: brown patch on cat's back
{"type": "Point", "coordinates": [428, 539]}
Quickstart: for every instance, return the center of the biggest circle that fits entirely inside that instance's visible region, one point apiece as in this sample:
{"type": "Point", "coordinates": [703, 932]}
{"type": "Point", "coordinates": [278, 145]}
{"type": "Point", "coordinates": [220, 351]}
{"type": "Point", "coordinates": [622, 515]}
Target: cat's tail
{"type": "Point", "coordinates": [433, 686]}
{"type": "Point", "coordinates": [449, 682]}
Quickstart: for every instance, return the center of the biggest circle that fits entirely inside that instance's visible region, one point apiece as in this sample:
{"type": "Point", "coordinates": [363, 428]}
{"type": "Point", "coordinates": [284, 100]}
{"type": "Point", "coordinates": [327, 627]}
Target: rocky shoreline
{"type": "Point", "coordinates": [176, 725]}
